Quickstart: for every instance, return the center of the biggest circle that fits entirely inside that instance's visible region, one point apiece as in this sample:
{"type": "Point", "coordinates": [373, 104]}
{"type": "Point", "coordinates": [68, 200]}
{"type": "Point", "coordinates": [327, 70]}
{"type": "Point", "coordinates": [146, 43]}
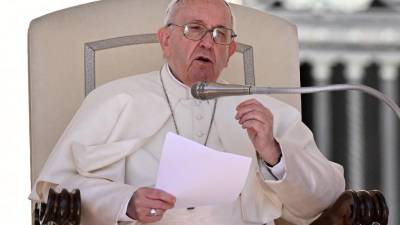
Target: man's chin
{"type": "Point", "coordinates": [203, 74]}
{"type": "Point", "coordinates": [196, 77]}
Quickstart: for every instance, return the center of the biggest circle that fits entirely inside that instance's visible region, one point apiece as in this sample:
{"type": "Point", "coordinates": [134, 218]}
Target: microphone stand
{"type": "Point", "coordinates": [205, 90]}
{"type": "Point", "coordinates": [336, 87]}
{"type": "Point", "coordinates": [351, 207]}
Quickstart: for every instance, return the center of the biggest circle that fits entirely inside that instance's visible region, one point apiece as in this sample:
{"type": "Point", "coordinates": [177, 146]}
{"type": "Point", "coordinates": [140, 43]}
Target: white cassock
{"type": "Point", "coordinates": [113, 144]}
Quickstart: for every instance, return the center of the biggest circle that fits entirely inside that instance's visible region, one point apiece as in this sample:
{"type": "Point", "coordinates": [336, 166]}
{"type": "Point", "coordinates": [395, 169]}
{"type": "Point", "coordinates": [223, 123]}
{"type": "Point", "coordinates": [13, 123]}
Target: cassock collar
{"type": "Point", "coordinates": [176, 90]}
{"type": "Point", "coordinates": [179, 92]}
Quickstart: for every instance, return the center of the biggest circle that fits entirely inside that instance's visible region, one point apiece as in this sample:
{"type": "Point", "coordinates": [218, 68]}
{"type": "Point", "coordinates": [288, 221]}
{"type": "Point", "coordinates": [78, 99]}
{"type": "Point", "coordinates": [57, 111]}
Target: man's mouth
{"type": "Point", "coordinates": [203, 59]}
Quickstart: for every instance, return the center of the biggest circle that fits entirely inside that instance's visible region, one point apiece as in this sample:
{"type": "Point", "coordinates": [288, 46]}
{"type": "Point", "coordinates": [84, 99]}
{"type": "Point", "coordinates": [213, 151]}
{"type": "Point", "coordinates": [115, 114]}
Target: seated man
{"type": "Point", "coordinates": [111, 148]}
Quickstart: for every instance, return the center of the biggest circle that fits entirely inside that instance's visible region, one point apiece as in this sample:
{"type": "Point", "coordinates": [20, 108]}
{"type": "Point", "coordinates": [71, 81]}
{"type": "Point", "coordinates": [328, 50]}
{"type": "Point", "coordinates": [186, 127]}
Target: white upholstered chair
{"type": "Point", "coordinates": [76, 49]}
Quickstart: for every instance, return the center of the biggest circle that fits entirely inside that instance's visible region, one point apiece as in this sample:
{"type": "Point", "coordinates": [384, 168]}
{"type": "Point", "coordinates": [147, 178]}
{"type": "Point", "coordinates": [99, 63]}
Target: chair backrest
{"type": "Point", "coordinates": [71, 47]}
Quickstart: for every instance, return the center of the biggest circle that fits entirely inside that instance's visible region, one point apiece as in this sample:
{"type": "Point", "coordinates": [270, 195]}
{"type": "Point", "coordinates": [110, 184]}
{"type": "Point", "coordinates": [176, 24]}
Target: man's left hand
{"type": "Point", "coordinates": [258, 121]}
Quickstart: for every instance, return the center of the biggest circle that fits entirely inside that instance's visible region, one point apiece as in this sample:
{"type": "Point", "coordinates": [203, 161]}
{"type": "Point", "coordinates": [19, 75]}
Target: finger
{"type": "Point", "coordinates": [260, 112]}
{"type": "Point", "coordinates": [247, 102]}
{"type": "Point", "coordinates": [153, 193]}
{"type": "Point", "coordinates": [255, 125]}
{"type": "Point", "coordinates": [252, 133]}
{"type": "Point", "coordinates": [262, 117]}
{"type": "Point", "coordinates": [145, 216]}
{"type": "Point", "coordinates": [142, 214]}
{"type": "Point", "coordinates": [152, 219]}
{"type": "Point", "coordinates": [250, 102]}
{"type": "Point", "coordinates": [246, 109]}
{"type": "Point", "coordinates": [156, 204]}
{"type": "Point", "coordinates": [158, 212]}
{"type": "Point", "coordinates": [251, 107]}
{"type": "Point", "coordinates": [139, 206]}
{"type": "Point", "coordinates": [150, 197]}
{"type": "Point", "coordinates": [157, 194]}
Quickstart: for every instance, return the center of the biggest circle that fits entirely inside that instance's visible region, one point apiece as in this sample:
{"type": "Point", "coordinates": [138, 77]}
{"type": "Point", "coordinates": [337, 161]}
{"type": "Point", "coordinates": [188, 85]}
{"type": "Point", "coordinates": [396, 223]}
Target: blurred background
{"type": "Point", "coordinates": [355, 42]}
{"type": "Point", "coordinates": [341, 41]}
{"type": "Point", "coordinates": [15, 15]}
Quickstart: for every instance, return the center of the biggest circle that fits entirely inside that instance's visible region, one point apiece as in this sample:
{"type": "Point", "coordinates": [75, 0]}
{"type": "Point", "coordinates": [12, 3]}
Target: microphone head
{"type": "Point", "coordinates": [209, 90]}
{"type": "Point", "coordinates": [197, 90]}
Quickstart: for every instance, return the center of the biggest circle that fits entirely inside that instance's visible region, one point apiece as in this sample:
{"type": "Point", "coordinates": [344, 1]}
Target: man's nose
{"type": "Point", "coordinates": [207, 41]}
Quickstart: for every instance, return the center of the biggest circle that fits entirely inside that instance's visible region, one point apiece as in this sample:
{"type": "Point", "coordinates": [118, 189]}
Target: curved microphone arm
{"type": "Point", "coordinates": [334, 87]}
{"type": "Point", "coordinates": [204, 90]}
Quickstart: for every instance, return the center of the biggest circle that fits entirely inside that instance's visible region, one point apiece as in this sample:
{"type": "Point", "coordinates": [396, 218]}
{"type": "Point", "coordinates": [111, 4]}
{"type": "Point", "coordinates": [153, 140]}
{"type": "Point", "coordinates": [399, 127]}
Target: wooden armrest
{"type": "Point", "coordinates": [62, 208]}
{"type": "Point", "coordinates": [356, 207]}
{"type": "Point", "coordinates": [351, 208]}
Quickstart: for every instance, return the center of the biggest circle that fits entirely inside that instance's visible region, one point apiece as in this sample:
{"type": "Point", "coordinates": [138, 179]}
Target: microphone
{"type": "Point", "coordinates": [204, 90]}
{"type": "Point", "coordinates": [209, 90]}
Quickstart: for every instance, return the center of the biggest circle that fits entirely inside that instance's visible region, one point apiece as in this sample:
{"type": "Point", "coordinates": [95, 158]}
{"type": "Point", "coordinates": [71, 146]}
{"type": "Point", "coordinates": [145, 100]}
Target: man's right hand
{"type": "Point", "coordinates": [144, 199]}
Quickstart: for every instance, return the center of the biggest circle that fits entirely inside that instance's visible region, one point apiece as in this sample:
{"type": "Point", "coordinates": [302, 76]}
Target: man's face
{"type": "Point", "coordinates": [202, 60]}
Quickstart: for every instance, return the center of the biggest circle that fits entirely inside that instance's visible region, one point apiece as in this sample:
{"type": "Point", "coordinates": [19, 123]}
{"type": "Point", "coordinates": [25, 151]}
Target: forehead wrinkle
{"type": "Point", "coordinates": [188, 3]}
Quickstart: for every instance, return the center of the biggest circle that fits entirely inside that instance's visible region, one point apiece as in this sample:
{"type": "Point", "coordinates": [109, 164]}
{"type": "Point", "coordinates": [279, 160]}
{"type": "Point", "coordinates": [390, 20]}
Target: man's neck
{"type": "Point", "coordinates": [172, 74]}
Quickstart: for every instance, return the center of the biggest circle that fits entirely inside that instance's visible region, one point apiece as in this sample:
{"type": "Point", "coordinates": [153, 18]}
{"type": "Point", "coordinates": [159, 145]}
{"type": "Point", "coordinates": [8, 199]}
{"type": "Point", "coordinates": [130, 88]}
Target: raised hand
{"type": "Point", "coordinates": [258, 121]}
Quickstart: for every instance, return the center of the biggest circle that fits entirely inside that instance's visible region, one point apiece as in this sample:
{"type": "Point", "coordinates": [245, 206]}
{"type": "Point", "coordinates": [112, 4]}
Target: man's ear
{"type": "Point", "coordinates": [231, 51]}
{"type": "Point", "coordinates": [163, 39]}
{"type": "Point", "coordinates": [232, 48]}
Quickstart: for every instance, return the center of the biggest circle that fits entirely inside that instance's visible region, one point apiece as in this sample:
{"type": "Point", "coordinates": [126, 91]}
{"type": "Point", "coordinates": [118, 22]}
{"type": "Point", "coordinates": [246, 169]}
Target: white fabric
{"type": "Point", "coordinates": [112, 146]}
{"type": "Point", "coordinates": [194, 117]}
{"type": "Point", "coordinates": [278, 170]}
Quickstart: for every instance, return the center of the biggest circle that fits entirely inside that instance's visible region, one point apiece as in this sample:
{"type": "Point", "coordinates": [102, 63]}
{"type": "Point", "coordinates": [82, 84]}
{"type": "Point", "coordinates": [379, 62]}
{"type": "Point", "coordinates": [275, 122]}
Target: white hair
{"type": "Point", "coordinates": [171, 7]}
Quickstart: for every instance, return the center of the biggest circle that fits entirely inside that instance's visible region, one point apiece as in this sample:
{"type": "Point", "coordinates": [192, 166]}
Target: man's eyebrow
{"type": "Point", "coordinates": [202, 23]}
{"type": "Point", "coordinates": [197, 21]}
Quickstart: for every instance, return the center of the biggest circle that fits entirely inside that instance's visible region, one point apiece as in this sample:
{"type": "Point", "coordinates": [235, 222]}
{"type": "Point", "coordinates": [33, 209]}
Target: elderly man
{"type": "Point", "coordinates": [111, 148]}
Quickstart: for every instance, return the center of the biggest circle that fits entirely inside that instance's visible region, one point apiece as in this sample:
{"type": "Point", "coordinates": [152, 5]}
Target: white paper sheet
{"type": "Point", "coordinates": [197, 175]}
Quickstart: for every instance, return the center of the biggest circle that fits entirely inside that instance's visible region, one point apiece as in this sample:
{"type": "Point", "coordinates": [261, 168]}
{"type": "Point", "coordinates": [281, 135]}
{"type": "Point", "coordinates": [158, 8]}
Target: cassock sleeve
{"type": "Point", "coordinates": [311, 182]}
{"type": "Point", "coordinates": [90, 156]}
